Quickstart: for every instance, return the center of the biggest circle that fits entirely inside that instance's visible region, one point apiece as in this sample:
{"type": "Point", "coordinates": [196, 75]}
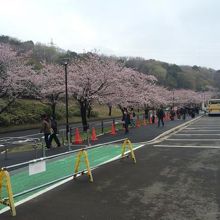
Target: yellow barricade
{"type": "Point", "coordinates": [83, 153]}
{"type": "Point", "coordinates": [127, 144]}
{"type": "Point", "coordinates": [5, 182]}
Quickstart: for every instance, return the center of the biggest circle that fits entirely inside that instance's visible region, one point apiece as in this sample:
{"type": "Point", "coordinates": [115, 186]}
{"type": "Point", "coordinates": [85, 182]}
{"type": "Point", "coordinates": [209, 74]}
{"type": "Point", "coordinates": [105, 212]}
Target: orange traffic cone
{"type": "Point", "coordinates": [78, 139]}
{"type": "Point", "coordinates": [113, 131]}
{"type": "Point", "coordinates": [94, 138]}
{"type": "Point", "coordinates": [150, 119]}
{"type": "Point", "coordinates": [138, 123]}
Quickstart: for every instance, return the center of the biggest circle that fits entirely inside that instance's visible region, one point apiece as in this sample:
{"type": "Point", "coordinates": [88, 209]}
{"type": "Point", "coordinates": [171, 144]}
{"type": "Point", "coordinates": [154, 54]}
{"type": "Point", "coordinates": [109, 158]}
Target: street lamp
{"type": "Point", "coordinates": [65, 63]}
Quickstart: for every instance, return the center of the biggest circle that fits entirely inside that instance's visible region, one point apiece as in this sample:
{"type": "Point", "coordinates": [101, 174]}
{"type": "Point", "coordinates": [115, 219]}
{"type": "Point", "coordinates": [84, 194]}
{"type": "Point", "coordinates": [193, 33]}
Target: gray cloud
{"type": "Point", "coordinates": [182, 32]}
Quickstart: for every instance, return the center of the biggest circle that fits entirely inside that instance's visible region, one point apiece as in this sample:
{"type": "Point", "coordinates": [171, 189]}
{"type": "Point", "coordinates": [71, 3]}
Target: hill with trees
{"type": "Point", "coordinates": [169, 75]}
{"type": "Point", "coordinates": [173, 76]}
{"type": "Point", "coordinates": [36, 72]}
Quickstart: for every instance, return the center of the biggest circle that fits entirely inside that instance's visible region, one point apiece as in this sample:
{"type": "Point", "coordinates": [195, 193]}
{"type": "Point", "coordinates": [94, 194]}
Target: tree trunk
{"type": "Point", "coordinates": [122, 109]}
{"type": "Point", "coordinates": [83, 108]}
{"type": "Point", "coordinates": [89, 111]}
{"type": "Point", "coordinates": [109, 110]}
{"type": "Point", "coordinates": [53, 108]}
{"type": "Point", "coordinates": [52, 102]}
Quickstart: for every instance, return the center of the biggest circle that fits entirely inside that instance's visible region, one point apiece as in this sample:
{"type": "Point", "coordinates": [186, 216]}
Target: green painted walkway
{"type": "Point", "coordinates": [57, 168]}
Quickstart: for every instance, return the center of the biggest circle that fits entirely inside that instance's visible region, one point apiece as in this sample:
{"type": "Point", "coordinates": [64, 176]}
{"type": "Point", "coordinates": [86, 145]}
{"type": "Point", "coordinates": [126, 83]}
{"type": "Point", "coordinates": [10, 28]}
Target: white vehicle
{"type": "Point", "coordinates": [214, 107]}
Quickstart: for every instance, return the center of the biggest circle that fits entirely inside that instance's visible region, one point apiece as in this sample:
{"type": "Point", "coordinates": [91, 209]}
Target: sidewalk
{"type": "Point", "coordinates": [135, 135]}
{"type": "Point", "coordinates": [115, 193]}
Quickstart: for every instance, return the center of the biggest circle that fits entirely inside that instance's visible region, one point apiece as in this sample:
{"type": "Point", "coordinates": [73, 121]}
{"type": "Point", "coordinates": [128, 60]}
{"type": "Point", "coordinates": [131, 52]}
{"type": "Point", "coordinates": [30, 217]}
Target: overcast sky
{"type": "Point", "coordinates": [176, 31]}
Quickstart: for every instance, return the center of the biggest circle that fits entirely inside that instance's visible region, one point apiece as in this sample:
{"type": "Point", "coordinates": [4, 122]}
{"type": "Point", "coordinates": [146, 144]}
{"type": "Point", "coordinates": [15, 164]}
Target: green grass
{"type": "Point", "coordinates": [26, 114]}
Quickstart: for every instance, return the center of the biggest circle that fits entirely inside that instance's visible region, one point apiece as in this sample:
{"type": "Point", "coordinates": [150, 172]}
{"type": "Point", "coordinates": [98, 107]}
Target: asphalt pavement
{"type": "Point", "coordinates": [136, 135]}
{"type": "Point", "coordinates": [174, 180]}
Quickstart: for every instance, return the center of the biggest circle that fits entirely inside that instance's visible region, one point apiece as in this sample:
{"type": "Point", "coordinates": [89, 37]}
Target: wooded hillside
{"type": "Point", "coordinates": [169, 75]}
{"type": "Point", "coordinates": [174, 76]}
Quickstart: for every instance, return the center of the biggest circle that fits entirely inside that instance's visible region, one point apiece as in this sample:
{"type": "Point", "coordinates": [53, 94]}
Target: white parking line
{"type": "Point", "coordinates": [201, 129]}
{"type": "Point", "coordinates": [171, 139]}
{"type": "Point", "coordinates": [29, 135]}
{"type": "Point", "coordinates": [185, 146]}
{"type": "Point", "coordinates": [181, 134]}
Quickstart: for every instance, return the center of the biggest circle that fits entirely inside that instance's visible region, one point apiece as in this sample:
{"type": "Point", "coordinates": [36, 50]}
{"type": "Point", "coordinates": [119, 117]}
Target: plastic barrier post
{"type": "Point", "coordinates": [43, 147]}
{"type": "Point", "coordinates": [69, 147]}
{"type": "Point", "coordinates": [5, 182]}
{"type": "Point", "coordinates": [102, 126]}
{"type": "Point", "coordinates": [83, 153]}
{"type": "Point", "coordinates": [127, 143]}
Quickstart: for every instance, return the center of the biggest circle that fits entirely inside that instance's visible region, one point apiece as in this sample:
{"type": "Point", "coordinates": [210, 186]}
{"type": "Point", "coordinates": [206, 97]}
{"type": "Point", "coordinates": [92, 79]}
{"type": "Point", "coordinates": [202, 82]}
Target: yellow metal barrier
{"type": "Point", "coordinates": [83, 153]}
{"type": "Point", "coordinates": [127, 143]}
{"type": "Point", "coordinates": [5, 182]}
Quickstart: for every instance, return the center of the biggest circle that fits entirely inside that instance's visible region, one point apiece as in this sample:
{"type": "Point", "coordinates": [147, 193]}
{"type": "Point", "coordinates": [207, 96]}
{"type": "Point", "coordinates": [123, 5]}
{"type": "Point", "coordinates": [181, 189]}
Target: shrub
{"type": "Point", "coordinates": [94, 114]}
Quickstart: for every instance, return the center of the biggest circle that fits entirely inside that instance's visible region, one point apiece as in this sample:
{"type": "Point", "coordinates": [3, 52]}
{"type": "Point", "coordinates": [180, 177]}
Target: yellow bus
{"type": "Point", "coordinates": [214, 107]}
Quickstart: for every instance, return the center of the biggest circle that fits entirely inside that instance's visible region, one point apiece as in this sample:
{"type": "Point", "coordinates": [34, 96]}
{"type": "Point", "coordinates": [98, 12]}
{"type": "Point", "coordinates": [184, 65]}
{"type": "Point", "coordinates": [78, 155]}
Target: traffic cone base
{"type": "Point", "coordinates": [138, 123]}
{"type": "Point", "coordinates": [94, 137]}
{"type": "Point", "coordinates": [113, 131]}
{"type": "Point", "coordinates": [78, 139]}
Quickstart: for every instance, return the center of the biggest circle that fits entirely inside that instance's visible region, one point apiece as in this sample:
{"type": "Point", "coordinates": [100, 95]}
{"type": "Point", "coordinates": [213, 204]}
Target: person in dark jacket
{"type": "Point", "coordinates": [160, 116]}
{"type": "Point", "coordinates": [183, 112]}
{"type": "Point", "coordinates": [53, 135]}
{"type": "Point", "coordinates": [126, 120]}
{"type": "Point", "coordinates": [172, 114]}
{"type": "Point", "coordinates": [153, 117]}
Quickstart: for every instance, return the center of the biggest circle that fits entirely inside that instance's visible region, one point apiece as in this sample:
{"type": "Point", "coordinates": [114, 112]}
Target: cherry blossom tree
{"type": "Point", "coordinates": [15, 77]}
{"type": "Point", "coordinates": [50, 81]}
{"type": "Point", "coordinates": [131, 89]}
{"type": "Point", "coordinates": [91, 76]}
{"type": "Point", "coordinates": [186, 97]}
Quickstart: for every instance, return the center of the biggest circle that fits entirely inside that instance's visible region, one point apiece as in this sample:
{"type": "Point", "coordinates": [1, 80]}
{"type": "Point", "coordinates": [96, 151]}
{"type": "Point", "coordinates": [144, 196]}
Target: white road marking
{"type": "Point", "coordinates": [195, 127]}
{"type": "Point", "coordinates": [172, 139]}
{"type": "Point", "coordinates": [201, 129]}
{"type": "Point", "coordinates": [181, 134]}
{"type": "Point", "coordinates": [29, 135]}
{"type": "Point", "coordinates": [69, 179]}
{"type": "Point", "coordinates": [185, 146]}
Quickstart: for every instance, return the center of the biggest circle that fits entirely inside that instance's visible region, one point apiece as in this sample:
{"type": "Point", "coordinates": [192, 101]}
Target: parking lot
{"type": "Point", "coordinates": [177, 178]}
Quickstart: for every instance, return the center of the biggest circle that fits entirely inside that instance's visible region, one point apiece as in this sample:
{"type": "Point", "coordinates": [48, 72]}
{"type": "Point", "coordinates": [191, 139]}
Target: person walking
{"type": "Point", "coordinates": [146, 113]}
{"type": "Point", "coordinates": [160, 115]}
{"type": "Point", "coordinates": [46, 129]}
{"type": "Point", "coordinates": [178, 113]}
{"type": "Point", "coordinates": [183, 112]}
{"type": "Point", "coordinates": [172, 114]}
{"type": "Point", "coordinates": [53, 135]}
{"type": "Point", "coordinates": [132, 118]}
{"type": "Point", "coordinates": [126, 120]}
{"type": "Point", "coordinates": [153, 117]}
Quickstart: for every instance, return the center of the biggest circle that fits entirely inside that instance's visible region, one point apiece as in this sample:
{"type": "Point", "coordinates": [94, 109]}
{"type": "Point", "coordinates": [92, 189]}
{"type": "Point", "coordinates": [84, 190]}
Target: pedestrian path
{"type": "Point", "coordinates": [58, 168]}
{"type": "Point", "coordinates": [135, 135]}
